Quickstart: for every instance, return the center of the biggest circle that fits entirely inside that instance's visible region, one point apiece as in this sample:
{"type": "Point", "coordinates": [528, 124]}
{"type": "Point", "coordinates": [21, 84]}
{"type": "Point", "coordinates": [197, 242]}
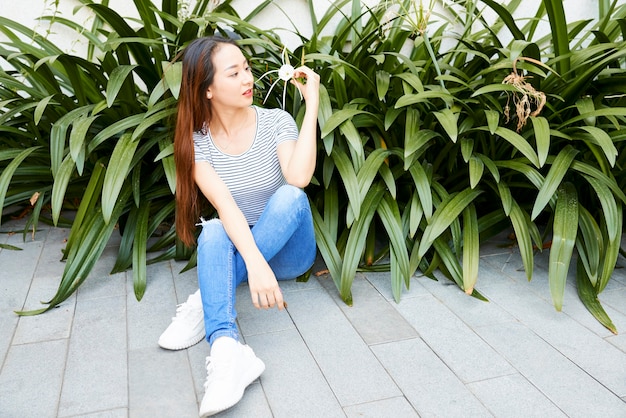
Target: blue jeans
{"type": "Point", "coordinates": [284, 234]}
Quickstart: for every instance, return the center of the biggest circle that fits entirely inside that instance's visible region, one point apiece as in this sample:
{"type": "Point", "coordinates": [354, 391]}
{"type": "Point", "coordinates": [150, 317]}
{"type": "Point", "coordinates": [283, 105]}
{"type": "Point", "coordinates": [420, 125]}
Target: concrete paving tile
{"type": "Point", "coordinates": [13, 293]}
{"type": "Point", "coordinates": [568, 386]}
{"type": "Point", "coordinates": [185, 283]}
{"type": "Point", "coordinates": [31, 380]}
{"type": "Point", "coordinates": [511, 266]}
{"type": "Point", "coordinates": [56, 323]}
{"type": "Point", "coordinates": [371, 314]}
{"type": "Point", "coordinates": [100, 282]}
{"type": "Point", "coordinates": [160, 384]}
{"type": "Point", "coordinates": [499, 243]}
{"type": "Point", "coordinates": [292, 381]}
{"type": "Point", "coordinates": [453, 341]}
{"type": "Point", "coordinates": [8, 324]}
{"type": "Point", "coordinates": [618, 341]}
{"type": "Point", "coordinates": [148, 318]}
{"type": "Point", "coordinates": [351, 369]}
{"type": "Point", "coordinates": [395, 407]}
{"type": "Point", "coordinates": [110, 413]}
{"type": "Point", "coordinates": [18, 268]}
{"type": "Point", "coordinates": [514, 396]}
{"type": "Point", "coordinates": [615, 299]}
{"type": "Point", "coordinates": [50, 263]}
{"type": "Point", "coordinates": [253, 404]}
{"type": "Point", "coordinates": [592, 353]}
{"type": "Point", "coordinates": [471, 310]}
{"type": "Point", "coordinates": [426, 381]}
{"type": "Point", "coordinates": [382, 282]}
{"type": "Point", "coordinates": [52, 325]}
{"type": "Point", "coordinates": [96, 374]}
{"type": "Point", "coordinates": [254, 321]}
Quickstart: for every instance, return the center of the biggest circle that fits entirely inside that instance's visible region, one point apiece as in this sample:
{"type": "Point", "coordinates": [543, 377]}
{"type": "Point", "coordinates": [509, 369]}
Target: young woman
{"type": "Point", "coordinates": [251, 164]}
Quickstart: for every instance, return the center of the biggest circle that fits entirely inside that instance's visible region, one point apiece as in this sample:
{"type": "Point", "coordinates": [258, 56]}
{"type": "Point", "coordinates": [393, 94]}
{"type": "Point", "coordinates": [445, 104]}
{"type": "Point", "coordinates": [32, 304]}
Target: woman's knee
{"type": "Point", "coordinates": [289, 197]}
{"type": "Point", "coordinates": [212, 230]}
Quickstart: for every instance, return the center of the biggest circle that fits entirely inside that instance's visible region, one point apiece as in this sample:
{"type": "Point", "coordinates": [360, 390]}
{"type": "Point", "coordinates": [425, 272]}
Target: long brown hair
{"type": "Point", "coordinates": [194, 110]}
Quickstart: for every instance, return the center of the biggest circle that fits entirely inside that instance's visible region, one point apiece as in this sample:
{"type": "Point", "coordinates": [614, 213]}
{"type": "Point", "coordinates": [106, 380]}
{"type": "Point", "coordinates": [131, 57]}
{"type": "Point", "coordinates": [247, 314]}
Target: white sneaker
{"type": "Point", "coordinates": [231, 367]}
{"type": "Point", "coordinates": [187, 327]}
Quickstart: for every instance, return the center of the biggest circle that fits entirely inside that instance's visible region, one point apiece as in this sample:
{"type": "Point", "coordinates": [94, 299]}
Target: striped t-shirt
{"type": "Point", "coordinates": [253, 176]}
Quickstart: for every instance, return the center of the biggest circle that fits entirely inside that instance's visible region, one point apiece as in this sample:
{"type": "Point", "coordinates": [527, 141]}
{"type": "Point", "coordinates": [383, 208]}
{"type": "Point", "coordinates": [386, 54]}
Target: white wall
{"type": "Point", "coordinates": [27, 12]}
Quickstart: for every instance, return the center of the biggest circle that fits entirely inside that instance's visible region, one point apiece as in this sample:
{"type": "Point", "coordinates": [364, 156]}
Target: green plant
{"type": "Point", "coordinates": [421, 150]}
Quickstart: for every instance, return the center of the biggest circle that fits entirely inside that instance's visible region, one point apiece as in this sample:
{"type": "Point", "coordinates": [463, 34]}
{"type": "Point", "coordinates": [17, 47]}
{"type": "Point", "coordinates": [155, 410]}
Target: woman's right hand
{"type": "Point", "coordinates": [264, 288]}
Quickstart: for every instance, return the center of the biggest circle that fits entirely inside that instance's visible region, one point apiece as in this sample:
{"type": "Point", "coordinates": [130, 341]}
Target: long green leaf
{"type": "Point", "coordinates": [476, 169]}
{"type": "Point", "coordinates": [60, 186]}
{"type": "Point", "coordinates": [563, 240]}
{"type": "Point", "coordinates": [589, 244]}
{"type": "Point", "coordinates": [116, 81]}
{"type": "Point", "coordinates": [589, 297]}
{"type": "Point", "coordinates": [327, 247]}
{"type": "Point", "coordinates": [446, 213]}
{"type": "Point", "coordinates": [139, 249]}
{"type": "Point", "coordinates": [421, 180]}
{"type": "Point", "coordinates": [8, 171]}
{"type": "Point", "coordinates": [349, 178]}
{"type": "Point", "coordinates": [77, 140]}
{"type": "Point", "coordinates": [448, 121]}
{"type": "Point", "coordinates": [519, 143]}
{"type": "Point", "coordinates": [58, 135]}
{"type": "Point", "coordinates": [356, 238]}
{"type": "Point", "coordinates": [88, 203]}
{"type": "Point", "coordinates": [602, 138]}
{"type": "Point", "coordinates": [390, 216]}
{"type": "Point", "coordinates": [559, 169]}
{"type": "Point", "coordinates": [611, 254]}
{"type": "Point", "coordinates": [117, 170]}
{"type": "Point", "coordinates": [471, 256]}
{"type": "Point", "coordinates": [609, 207]}
{"type": "Point", "coordinates": [542, 137]}
{"type": "Point", "coordinates": [560, 39]}
{"type": "Point", "coordinates": [520, 220]}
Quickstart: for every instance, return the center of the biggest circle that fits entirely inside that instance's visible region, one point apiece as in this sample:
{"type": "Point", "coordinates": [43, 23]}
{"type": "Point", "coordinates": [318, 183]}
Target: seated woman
{"type": "Point", "coordinates": [251, 164]}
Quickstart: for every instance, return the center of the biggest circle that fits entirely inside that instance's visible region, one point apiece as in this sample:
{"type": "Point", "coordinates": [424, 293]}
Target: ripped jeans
{"type": "Point", "coordinates": [284, 234]}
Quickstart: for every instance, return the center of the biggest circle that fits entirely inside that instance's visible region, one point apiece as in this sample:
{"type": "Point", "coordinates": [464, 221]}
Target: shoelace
{"type": "Point", "coordinates": [183, 311]}
{"type": "Point", "coordinates": [212, 368]}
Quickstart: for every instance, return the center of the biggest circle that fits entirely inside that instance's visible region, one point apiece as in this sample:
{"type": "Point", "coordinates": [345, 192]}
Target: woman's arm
{"type": "Point", "coordinates": [264, 288]}
{"type": "Point", "coordinates": [297, 158]}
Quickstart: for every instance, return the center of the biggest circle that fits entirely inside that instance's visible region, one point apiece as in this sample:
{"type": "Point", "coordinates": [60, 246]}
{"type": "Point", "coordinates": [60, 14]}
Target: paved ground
{"type": "Point", "coordinates": [438, 353]}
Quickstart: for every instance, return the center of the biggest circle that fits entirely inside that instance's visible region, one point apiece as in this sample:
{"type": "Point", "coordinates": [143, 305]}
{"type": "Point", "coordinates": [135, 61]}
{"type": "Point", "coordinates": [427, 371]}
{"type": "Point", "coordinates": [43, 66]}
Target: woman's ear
{"type": "Point", "coordinates": [209, 95]}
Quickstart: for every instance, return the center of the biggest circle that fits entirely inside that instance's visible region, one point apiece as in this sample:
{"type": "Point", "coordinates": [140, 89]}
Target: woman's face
{"type": "Point", "coordinates": [233, 81]}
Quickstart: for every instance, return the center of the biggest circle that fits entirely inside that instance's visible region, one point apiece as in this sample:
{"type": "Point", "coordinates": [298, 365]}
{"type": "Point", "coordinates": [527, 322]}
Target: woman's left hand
{"type": "Point", "coordinates": [308, 82]}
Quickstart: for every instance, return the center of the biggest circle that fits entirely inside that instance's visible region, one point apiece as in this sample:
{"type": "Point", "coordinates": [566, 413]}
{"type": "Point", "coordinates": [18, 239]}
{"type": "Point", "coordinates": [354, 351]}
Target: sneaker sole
{"type": "Point", "coordinates": [186, 344]}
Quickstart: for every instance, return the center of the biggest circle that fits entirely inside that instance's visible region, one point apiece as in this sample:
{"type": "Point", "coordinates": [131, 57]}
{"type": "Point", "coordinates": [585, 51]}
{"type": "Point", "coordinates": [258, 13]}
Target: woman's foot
{"type": "Point", "coordinates": [231, 367]}
{"type": "Point", "coordinates": [187, 327]}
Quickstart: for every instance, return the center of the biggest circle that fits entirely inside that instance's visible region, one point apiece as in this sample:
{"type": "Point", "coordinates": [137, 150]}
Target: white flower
{"type": "Point", "coordinates": [285, 73]}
